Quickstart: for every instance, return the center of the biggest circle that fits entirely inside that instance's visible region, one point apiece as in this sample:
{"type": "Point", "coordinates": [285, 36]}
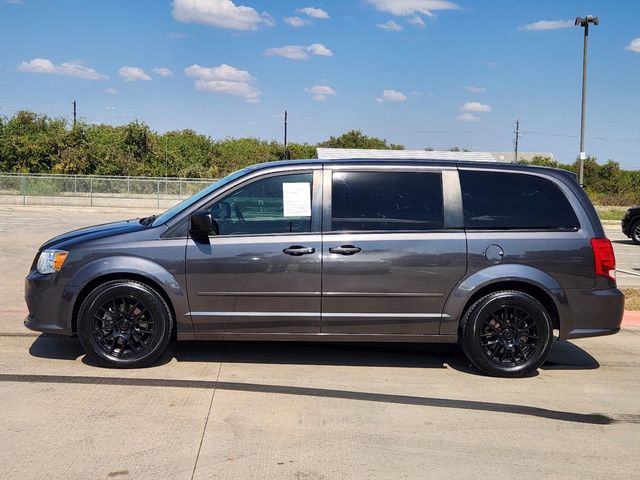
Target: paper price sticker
{"type": "Point", "coordinates": [296, 199]}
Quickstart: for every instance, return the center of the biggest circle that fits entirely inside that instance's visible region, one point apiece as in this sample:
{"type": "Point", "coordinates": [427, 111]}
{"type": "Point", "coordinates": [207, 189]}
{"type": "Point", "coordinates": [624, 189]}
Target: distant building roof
{"type": "Point", "coordinates": [522, 156]}
{"type": "Point", "coordinates": [509, 157]}
{"type": "Point", "coordinates": [343, 153]}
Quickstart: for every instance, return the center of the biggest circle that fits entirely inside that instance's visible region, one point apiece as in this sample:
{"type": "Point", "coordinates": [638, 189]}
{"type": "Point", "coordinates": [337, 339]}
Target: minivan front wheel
{"type": "Point", "coordinates": [124, 324]}
{"type": "Point", "coordinates": [507, 334]}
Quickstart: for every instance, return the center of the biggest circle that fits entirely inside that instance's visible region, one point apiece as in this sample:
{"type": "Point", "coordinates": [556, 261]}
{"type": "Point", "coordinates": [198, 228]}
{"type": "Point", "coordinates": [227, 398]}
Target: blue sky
{"type": "Point", "coordinates": [424, 73]}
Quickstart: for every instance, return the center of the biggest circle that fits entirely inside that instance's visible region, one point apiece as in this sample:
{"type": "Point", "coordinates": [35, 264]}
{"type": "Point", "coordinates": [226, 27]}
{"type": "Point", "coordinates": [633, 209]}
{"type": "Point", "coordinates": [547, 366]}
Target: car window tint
{"type": "Point", "coordinates": [498, 200]}
{"type": "Point", "coordinates": [278, 204]}
{"type": "Point", "coordinates": [387, 201]}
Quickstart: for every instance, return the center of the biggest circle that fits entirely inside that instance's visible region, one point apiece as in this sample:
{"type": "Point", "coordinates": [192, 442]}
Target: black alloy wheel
{"type": "Point", "coordinates": [124, 323]}
{"type": "Point", "coordinates": [507, 334]}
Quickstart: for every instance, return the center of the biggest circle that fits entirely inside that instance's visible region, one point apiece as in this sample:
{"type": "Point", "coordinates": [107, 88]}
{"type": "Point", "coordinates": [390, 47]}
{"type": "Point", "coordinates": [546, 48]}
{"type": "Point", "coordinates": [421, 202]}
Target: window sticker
{"type": "Point", "coordinates": [296, 199]}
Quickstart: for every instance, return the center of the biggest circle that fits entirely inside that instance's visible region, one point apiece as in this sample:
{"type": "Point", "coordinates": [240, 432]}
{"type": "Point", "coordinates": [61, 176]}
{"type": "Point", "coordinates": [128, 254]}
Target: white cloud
{"type": "Point", "coordinates": [391, 96]}
{"type": "Point", "coordinates": [471, 88]}
{"type": "Point", "coordinates": [407, 8]}
{"type": "Point", "coordinates": [547, 25]}
{"type": "Point", "coordinates": [70, 69]}
{"type": "Point", "coordinates": [220, 13]}
{"type": "Point", "coordinates": [390, 26]}
{"type": "Point", "coordinates": [111, 91]}
{"type": "Point", "coordinates": [299, 52]}
{"type": "Point", "coordinates": [416, 21]}
{"type": "Point", "coordinates": [319, 49]}
{"type": "Point", "coordinates": [467, 117]}
{"type": "Point", "coordinates": [163, 72]}
{"type": "Point", "coordinates": [634, 46]}
{"type": "Point", "coordinates": [475, 107]}
{"type": "Point", "coordinates": [320, 92]}
{"type": "Point", "coordinates": [224, 79]}
{"type": "Point", "coordinates": [296, 21]}
{"type": "Point", "coordinates": [314, 13]}
{"type": "Point", "coordinates": [132, 74]}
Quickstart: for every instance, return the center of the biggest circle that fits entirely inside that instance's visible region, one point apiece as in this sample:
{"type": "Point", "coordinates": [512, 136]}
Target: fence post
{"type": "Point", "coordinates": [180, 183]}
{"type": "Point", "coordinates": [128, 186]}
{"type": "Point", "coordinates": [91, 191]}
{"type": "Point", "coordinates": [158, 193]}
{"type": "Point", "coordinates": [23, 187]}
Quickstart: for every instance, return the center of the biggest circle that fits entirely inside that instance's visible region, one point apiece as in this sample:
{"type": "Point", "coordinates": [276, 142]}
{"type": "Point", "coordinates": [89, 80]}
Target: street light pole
{"type": "Point", "coordinates": [584, 22]}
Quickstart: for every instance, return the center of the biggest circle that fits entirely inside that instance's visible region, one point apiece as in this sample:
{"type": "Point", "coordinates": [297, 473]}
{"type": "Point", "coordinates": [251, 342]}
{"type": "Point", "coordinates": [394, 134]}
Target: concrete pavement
{"type": "Point", "coordinates": [317, 411]}
{"type": "Point", "coordinates": [302, 411]}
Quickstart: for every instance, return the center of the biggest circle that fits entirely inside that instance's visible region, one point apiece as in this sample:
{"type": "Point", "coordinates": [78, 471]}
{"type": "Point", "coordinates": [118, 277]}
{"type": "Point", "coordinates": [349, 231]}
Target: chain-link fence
{"type": "Point", "coordinates": [95, 190]}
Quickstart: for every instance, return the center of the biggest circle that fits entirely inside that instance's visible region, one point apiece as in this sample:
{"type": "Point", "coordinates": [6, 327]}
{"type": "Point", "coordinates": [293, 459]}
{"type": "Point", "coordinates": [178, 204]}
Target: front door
{"type": "Point", "coordinates": [261, 273]}
{"type": "Point", "coordinates": [389, 263]}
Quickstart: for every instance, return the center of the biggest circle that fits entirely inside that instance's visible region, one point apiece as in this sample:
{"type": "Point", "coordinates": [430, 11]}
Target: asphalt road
{"type": "Point", "coordinates": [302, 411]}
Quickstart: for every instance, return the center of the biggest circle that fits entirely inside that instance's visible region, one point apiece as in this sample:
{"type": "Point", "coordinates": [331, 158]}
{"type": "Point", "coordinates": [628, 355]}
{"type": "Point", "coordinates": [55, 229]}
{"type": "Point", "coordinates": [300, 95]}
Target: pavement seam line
{"type": "Point", "coordinates": [206, 421]}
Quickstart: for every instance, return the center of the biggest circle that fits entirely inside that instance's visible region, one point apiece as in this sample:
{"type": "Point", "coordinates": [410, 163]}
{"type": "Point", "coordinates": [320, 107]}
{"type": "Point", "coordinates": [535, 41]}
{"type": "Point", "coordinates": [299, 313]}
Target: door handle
{"type": "Point", "coordinates": [297, 250]}
{"type": "Point", "coordinates": [345, 250]}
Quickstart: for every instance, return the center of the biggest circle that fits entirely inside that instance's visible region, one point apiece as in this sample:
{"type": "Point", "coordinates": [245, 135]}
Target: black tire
{"type": "Point", "coordinates": [507, 334]}
{"type": "Point", "coordinates": [635, 232]}
{"type": "Point", "coordinates": [124, 324]}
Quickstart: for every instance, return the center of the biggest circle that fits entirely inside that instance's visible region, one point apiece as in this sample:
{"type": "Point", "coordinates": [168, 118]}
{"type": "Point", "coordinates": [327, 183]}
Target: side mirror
{"type": "Point", "coordinates": [202, 225]}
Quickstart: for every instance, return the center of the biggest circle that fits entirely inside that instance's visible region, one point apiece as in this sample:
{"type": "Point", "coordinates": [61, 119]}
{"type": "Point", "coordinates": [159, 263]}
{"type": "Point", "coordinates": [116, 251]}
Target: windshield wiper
{"type": "Point", "coordinates": [148, 220]}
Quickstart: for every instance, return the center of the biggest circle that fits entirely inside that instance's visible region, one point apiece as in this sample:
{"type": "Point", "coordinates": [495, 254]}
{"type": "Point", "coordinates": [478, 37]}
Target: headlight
{"type": "Point", "coordinates": [51, 260]}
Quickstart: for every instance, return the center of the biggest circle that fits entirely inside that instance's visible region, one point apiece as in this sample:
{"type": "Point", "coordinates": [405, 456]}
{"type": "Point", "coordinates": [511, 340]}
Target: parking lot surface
{"type": "Point", "coordinates": [303, 411]}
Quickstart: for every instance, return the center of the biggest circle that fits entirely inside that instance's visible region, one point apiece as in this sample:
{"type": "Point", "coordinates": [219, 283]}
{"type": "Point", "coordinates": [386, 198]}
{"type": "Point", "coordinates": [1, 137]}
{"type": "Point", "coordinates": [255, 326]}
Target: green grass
{"type": "Point", "coordinates": [611, 213]}
{"type": "Point", "coordinates": [631, 298]}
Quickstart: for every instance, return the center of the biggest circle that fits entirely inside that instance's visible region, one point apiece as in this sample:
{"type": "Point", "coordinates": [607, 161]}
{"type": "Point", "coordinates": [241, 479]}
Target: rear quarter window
{"type": "Point", "coordinates": [499, 200]}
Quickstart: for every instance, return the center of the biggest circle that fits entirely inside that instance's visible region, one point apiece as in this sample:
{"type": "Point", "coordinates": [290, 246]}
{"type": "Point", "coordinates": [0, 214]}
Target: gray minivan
{"type": "Point", "coordinates": [493, 256]}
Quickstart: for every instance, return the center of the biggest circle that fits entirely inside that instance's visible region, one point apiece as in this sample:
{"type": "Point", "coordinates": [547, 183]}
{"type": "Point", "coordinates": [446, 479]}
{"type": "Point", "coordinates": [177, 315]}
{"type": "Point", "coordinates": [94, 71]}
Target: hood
{"type": "Point", "coordinates": [94, 233]}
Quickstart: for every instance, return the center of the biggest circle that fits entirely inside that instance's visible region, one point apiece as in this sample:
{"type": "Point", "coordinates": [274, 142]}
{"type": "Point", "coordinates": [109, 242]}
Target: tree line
{"type": "Point", "coordinates": [35, 143]}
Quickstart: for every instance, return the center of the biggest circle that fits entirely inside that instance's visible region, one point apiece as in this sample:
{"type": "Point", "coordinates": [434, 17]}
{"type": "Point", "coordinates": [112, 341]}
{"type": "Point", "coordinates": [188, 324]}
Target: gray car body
{"type": "Point", "coordinates": [401, 287]}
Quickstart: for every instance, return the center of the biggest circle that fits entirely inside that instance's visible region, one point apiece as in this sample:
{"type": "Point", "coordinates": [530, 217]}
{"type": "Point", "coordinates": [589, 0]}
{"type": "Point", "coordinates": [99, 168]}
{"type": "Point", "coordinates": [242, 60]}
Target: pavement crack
{"type": "Point", "coordinates": [206, 421]}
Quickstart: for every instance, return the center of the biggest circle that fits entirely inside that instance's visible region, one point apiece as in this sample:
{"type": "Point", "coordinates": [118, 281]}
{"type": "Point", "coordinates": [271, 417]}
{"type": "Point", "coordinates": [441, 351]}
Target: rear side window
{"type": "Point", "coordinates": [496, 200]}
{"type": "Point", "coordinates": [387, 201]}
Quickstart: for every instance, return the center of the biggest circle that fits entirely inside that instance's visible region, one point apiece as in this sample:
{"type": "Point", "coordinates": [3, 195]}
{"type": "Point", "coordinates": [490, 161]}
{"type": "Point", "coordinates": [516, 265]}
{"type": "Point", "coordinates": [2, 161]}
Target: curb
{"type": "Point", "coordinates": [631, 318]}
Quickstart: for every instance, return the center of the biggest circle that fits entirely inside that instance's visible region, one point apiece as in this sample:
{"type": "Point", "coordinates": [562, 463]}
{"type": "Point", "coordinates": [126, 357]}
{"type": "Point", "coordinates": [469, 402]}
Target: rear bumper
{"type": "Point", "coordinates": [49, 304]}
{"type": "Point", "coordinates": [593, 313]}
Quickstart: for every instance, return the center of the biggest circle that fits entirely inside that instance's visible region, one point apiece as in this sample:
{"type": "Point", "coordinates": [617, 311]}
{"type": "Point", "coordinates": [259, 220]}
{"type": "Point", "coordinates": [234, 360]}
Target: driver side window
{"type": "Point", "coordinates": [278, 204]}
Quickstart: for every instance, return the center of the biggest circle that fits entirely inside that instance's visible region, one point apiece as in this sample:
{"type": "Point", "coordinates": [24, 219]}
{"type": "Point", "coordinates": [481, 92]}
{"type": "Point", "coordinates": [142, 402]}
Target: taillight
{"type": "Point", "coordinates": [604, 257]}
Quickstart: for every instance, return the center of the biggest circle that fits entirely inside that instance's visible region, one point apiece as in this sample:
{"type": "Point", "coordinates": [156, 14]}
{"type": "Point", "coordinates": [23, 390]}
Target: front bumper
{"type": "Point", "coordinates": [49, 304]}
{"type": "Point", "coordinates": [593, 313]}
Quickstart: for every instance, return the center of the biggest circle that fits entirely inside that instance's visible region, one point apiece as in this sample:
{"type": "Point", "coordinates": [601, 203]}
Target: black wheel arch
{"type": "Point", "coordinates": [90, 286]}
{"type": "Point", "coordinates": [529, 288]}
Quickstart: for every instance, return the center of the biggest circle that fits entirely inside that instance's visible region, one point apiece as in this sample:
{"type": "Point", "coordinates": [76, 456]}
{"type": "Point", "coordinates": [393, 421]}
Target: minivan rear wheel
{"type": "Point", "coordinates": [507, 334]}
{"type": "Point", "coordinates": [124, 324]}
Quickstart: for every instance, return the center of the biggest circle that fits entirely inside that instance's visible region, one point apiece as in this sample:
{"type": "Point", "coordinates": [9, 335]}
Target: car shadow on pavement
{"type": "Point", "coordinates": [564, 355]}
{"type": "Point", "coordinates": [428, 355]}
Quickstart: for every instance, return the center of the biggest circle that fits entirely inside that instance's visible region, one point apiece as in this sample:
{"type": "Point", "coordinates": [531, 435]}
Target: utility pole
{"type": "Point", "coordinates": [584, 22]}
{"type": "Point", "coordinates": [515, 143]}
{"type": "Point", "coordinates": [74, 113]}
{"type": "Point", "coordinates": [285, 135]}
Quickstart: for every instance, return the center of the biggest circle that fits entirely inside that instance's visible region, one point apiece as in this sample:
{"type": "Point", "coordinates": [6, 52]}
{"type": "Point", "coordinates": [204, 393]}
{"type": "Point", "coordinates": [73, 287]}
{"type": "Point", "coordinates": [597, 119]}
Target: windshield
{"type": "Point", "coordinates": [172, 212]}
